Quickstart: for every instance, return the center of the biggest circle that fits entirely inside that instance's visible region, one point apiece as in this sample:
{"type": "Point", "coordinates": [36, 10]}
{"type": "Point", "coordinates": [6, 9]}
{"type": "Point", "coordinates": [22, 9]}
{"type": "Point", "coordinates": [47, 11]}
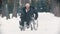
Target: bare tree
{"type": "Point", "coordinates": [15, 8]}
{"type": "Point", "coordinates": [3, 9]}
{"type": "Point", "coordinates": [55, 8]}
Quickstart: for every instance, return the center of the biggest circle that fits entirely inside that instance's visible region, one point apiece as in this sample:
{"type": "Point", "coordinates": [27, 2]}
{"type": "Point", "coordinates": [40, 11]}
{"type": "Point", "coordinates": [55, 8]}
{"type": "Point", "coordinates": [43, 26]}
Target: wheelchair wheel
{"type": "Point", "coordinates": [34, 25]}
{"type": "Point", "coordinates": [22, 28]}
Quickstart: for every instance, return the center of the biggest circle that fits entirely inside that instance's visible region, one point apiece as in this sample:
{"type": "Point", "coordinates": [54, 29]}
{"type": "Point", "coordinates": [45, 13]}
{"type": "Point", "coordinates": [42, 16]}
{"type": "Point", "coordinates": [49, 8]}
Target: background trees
{"type": "Point", "coordinates": [13, 6]}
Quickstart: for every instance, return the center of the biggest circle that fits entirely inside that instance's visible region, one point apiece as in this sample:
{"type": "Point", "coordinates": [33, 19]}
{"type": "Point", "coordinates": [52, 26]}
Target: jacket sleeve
{"type": "Point", "coordinates": [36, 14]}
{"type": "Point", "coordinates": [21, 13]}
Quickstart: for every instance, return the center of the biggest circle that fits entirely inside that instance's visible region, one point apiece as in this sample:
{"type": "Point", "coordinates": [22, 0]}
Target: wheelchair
{"type": "Point", "coordinates": [33, 25]}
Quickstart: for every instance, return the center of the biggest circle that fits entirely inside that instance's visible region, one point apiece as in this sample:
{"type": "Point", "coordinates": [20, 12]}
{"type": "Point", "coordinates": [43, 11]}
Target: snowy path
{"type": "Point", "coordinates": [48, 24]}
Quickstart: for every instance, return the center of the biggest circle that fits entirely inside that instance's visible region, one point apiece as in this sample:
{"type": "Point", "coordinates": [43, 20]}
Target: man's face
{"type": "Point", "coordinates": [27, 5]}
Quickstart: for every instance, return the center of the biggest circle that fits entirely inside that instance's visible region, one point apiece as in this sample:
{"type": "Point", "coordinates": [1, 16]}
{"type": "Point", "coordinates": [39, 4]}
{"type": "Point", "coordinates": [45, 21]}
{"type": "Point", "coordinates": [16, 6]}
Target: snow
{"type": "Point", "coordinates": [47, 24]}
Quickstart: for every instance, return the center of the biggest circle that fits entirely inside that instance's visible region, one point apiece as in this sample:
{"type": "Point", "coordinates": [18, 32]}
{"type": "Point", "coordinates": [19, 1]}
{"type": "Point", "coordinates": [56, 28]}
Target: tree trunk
{"type": "Point", "coordinates": [3, 8]}
{"type": "Point", "coordinates": [55, 8]}
{"type": "Point", "coordinates": [15, 8]}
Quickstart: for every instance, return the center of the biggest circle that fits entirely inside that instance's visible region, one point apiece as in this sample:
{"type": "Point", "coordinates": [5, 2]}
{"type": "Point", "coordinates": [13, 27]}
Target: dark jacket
{"type": "Point", "coordinates": [28, 15]}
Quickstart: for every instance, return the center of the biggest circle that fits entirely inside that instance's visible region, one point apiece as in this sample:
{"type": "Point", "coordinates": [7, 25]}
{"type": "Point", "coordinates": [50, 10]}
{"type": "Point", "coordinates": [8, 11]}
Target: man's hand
{"type": "Point", "coordinates": [35, 18]}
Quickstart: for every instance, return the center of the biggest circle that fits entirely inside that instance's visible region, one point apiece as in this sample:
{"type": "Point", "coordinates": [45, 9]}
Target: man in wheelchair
{"type": "Point", "coordinates": [27, 13]}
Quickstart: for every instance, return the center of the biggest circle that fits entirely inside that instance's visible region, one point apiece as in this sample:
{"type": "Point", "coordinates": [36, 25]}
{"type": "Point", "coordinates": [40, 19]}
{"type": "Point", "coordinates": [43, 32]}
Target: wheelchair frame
{"type": "Point", "coordinates": [33, 25]}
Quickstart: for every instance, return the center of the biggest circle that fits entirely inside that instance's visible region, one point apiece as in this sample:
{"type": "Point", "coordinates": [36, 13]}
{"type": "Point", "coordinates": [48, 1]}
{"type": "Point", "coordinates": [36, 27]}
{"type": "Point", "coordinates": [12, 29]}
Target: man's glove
{"type": "Point", "coordinates": [35, 18]}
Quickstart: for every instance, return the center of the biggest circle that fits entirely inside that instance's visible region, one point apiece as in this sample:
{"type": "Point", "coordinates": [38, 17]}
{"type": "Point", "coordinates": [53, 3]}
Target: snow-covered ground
{"type": "Point", "coordinates": [47, 24]}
